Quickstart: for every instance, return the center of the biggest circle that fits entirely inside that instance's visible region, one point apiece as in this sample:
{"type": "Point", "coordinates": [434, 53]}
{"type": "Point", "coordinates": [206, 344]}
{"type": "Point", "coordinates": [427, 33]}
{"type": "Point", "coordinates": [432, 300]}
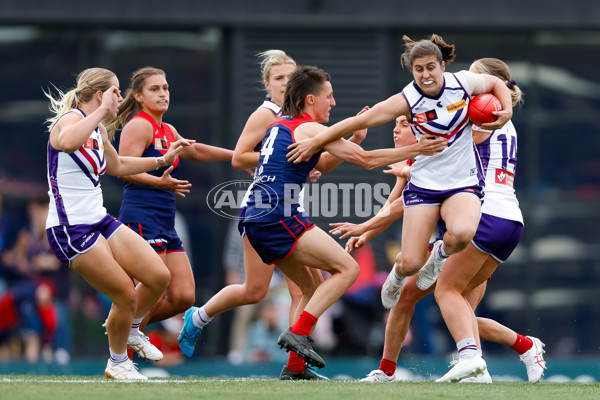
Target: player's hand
{"type": "Point", "coordinates": [502, 117]}
{"type": "Point", "coordinates": [400, 170]}
{"type": "Point", "coordinates": [179, 187]}
{"type": "Point", "coordinates": [355, 243]}
{"type": "Point", "coordinates": [175, 149]}
{"type": "Point", "coordinates": [431, 145]}
{"type": "Point", "coordinates": [111, 99]}
{"type": "Point", "coordinates": [302, 150]}
{"type": "Point", "coordinates": [345, 229]}
{"type": "Point", "coordinates": [314, 175]}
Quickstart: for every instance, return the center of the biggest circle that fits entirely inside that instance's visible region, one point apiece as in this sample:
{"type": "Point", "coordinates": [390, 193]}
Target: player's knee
{"type": "Point", "coordinates": [352, 271]}
{"type": "Point", "coordinates": [255, 295]}
{"type": "Point", "coordinates": [126, 300]}
{"type": "Point", "coordinates": [183, 300]}
{"type": "Point", "coordinates": [440, 292]}
{"type": "Point", "coordinates": [460, 238]}
{"type": "Point", "coordinates": [410, 265]}
{"type": "Point", "coordinates": [160, 280]}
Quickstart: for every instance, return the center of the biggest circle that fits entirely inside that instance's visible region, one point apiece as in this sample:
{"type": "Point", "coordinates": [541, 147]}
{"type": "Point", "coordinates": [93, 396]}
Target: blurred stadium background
{"type": "Point", "coordinates": [550, 286]}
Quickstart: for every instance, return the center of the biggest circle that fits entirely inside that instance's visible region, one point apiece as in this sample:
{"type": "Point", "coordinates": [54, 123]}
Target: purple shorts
{"type": "Point", "coordinates": [413, 195]}
{"type": "Point", "coordinates": [497, 237]}
{"type": "Point", "coordinates": [69, 241]}
{"type": "Point", "coordinates": [159, 240]}
{"type": "Point", "coordinates": [275, 241]}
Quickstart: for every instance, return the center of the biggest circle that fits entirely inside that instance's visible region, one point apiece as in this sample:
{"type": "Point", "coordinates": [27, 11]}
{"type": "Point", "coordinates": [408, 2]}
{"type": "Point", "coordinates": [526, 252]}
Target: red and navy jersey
{"type": "Point", "coordinates": [147, 204]}
{"type": "Point", "coordinates": [277, 183]}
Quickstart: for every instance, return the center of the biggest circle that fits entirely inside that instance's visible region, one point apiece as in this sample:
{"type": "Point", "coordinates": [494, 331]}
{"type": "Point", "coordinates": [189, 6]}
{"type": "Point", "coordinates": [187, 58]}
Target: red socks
{"type": "Point", "coordinates": [387, 366]}
{"type": "Point", "coordinates": [304, 324]}
{"type": "Point", "coordinates": [296, 363]}
{"type": "Point", "coordinates": [522, 344]}
{"type": "Point", "coordinates": [302, 327]}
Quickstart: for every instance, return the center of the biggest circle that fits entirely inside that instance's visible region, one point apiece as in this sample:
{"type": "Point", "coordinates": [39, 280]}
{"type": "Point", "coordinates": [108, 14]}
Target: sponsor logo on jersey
{"type": "Point", "coordinates": [161, 144]}
{"type": "Point", "coordinates": [91, 143]}
{"type": "Point", "coordinates": [504, 177]}
{"type": "Point", "coordinates": [456, 106]}
{"type": "Point", "coordinates": [426, 116]}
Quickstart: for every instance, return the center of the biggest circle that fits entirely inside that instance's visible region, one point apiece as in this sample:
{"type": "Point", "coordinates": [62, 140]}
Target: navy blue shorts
{"type": "Point", "coordinates": [275, 241]}
{"type": "Point", "coordinates": [69, 241]}
{"type": "Point", "coordinates": [242, 217]}
{"type": "Point", "coordinates": [159, 240]}
{"type": "Point", "coordinates": [497, 237]}
{"type": "Point", "coordinates": [413, 195]}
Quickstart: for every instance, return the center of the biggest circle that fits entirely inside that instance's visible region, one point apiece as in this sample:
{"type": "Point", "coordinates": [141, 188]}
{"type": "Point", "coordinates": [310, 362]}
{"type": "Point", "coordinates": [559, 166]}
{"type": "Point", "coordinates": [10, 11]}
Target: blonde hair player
{"type": "Point", "coordinates": [80, 231]}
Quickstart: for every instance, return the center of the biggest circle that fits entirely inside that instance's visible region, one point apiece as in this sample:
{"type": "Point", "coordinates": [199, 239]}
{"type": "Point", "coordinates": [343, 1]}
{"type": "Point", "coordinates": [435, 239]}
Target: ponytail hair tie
{"type": "Point", "coordinates": [511, 83]}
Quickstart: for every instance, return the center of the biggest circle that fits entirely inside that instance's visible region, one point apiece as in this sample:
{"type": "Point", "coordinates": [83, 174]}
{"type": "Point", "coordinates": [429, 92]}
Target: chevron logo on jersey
{"type": "Point", "coordinates": [505, 178]}
{"type": "Point", "coordinates": [426, 116]}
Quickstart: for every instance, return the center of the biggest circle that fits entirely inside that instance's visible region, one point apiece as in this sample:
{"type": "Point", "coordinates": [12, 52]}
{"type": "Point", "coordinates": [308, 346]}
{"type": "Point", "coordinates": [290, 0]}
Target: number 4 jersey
{"type": "Point", "coordinates": [275, 192]}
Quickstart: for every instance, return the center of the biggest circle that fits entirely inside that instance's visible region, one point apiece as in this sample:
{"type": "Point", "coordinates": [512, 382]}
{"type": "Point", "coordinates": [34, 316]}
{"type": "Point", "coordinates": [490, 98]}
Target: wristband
{"type": "Point", "coordinates": [162, 161]}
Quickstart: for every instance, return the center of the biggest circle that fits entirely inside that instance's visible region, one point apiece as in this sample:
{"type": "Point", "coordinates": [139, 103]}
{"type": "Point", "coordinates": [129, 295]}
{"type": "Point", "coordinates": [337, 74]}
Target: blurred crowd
{"type": "Point", "coordinates": [34, 289]}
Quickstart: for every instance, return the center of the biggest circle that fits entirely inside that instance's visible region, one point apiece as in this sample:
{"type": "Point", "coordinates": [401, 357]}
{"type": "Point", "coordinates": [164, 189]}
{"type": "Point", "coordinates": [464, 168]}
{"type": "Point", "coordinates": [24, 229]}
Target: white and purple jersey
{"type": "Point", "coordinates": [444, 115]}
{"type": "Point", "coordinates": [498, 156]}
{"type": "Point", "coordinates": [74, 182]}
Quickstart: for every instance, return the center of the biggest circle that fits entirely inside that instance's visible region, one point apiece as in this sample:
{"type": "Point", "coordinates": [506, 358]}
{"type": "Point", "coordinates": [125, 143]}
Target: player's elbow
{"type": "Point", "coordinates": [238, 164]}
{"type": "Point", "coordinates": [68, 146]}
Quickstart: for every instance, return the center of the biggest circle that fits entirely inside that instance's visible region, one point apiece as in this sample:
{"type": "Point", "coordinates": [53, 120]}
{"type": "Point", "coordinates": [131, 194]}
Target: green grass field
{"type": "Point", "coordinates": [25, 387]}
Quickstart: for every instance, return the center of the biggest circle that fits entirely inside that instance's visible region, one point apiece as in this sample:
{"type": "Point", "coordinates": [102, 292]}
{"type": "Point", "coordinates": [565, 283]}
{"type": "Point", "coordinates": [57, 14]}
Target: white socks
{"type": "Point", "coordinates": [397, 280]}
{"type": "Point", "coordinates": [200, 318]}
{"type": "Point", "coordinates": [135, 326]}
{"type": "Point", "coordinates": [467, 348]}
{"type": "Point", "coordinates": [117, 358]}
{"type": "Point", "coordinates": [441, 254]}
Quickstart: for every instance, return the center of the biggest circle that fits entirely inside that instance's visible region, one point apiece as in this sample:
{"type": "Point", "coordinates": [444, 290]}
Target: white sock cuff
{"type": "Point", "coordinates": [467, 348]}
{"type": "Point", "coordinates": [201, 318]}
{"type": "Point", "coordinates": [116, 358]}
{"type": "Point", "coordinates": [135, 326]}
{"type": "Point", "coordinates": [441, 252]}
{"type": "Point", "coordinates": [396, 280]}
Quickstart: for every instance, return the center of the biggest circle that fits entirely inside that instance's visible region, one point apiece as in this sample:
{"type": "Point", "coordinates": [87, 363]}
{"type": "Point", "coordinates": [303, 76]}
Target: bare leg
{"type": "Point", "coordinates": [139, 261]}
{"type": "Point", "coordinates": [253, 290]}
{"type": "Point", "coordinates": [417, 225]}
{"type": "Point", "coordinates": [306, 292]}
{"type": "Point", "coordinates": [317, 249]}
{"type": "Point", "coordinates": [400, 316]}
{"type": "Point", "coordinates": [461, 213]}
{"type": "Point", "coordinates": [458, 271]}
{"type": "Point", "coordinates": [102, 272]}
{"type": "Point", "coordinates": [180, 293]}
